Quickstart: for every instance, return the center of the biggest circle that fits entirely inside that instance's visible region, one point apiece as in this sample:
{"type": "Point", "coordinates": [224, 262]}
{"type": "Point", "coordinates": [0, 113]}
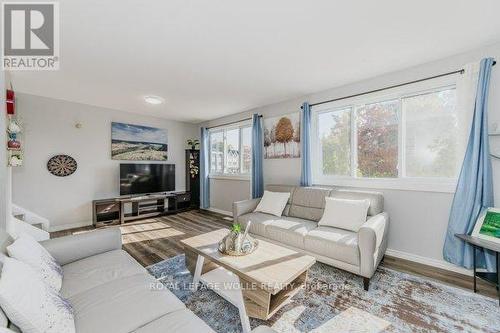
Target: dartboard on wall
{"type": "Point", "coordinates": [62, 165]}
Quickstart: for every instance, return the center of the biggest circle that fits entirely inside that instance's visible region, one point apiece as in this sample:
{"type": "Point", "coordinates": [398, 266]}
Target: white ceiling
{"type": "Point", "coordinates": [213, 58]}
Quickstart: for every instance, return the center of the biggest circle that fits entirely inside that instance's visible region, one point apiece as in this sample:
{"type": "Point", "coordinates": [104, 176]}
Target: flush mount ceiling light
{"type": "Point", "coordinates": [154, 100]}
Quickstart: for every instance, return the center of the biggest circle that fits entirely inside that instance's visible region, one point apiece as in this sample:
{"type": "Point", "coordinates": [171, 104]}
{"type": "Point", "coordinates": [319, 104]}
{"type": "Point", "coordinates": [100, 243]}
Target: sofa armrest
{"type": "Point", "coordinates": [370, 236]}
{"type": "Point", "coordinates": [244, 207]}
{"type": "Point", "coordinates": [75, 247]}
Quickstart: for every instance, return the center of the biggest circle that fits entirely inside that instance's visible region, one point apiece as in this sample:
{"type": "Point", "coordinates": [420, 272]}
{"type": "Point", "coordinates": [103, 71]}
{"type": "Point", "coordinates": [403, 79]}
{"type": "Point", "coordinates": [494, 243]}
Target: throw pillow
{"type": "Point", "coordinates": [345, 213]}
{"type": "Point", "coordinates": [30, 303]}
{"type": "Point", "coordinates": [26, 249]}
{"type": "Point", "coordinates": [273, 203]}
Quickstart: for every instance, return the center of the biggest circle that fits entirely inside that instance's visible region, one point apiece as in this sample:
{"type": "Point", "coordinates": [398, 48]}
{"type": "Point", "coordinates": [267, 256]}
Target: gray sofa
{"type": "Point", "coordinates": [358, 253]}
{"type": "Point", "coordinates": [111, 292]}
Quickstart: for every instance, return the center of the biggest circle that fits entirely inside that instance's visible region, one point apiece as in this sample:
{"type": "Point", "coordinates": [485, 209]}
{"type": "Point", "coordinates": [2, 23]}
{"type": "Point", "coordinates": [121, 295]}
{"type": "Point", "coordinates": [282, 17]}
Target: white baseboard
{"type": "Point", "coordinates": [61, 227]}
{"type": "Point", "coordinates": [220, 211]}
{"type": "Point", "coordinates": [428, 261]}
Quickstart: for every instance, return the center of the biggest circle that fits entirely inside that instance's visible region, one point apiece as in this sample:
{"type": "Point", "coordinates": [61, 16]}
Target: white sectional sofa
{"type": "Point", "coordinates": [359, 253]}
{"type": "Point", "coordinates": [111, 292]}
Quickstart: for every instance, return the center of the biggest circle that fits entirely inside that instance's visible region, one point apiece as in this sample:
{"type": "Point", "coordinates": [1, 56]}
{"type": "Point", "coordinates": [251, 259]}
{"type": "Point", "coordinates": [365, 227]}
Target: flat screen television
{"type": "Point", "coordinates": [139, 178]}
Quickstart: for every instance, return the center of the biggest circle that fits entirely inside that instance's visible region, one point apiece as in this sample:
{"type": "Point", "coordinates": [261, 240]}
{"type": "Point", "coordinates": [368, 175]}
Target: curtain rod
{"type": "Point", "coordinates": [233, 122]}
{"type": "Point", "coordinates": [460, 71]}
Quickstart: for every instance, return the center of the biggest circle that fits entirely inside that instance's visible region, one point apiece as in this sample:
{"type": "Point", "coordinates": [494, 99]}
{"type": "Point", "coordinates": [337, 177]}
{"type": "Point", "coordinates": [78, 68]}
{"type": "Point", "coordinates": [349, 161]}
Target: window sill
{"type": "Point", "coordinates": [230, 177]}
{"type": "Point", "coordinates": [419, 185]}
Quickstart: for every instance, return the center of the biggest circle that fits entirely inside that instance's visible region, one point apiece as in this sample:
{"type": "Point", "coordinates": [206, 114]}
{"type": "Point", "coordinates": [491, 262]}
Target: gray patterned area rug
{"type": "Point", "coordinates": [334, 301]}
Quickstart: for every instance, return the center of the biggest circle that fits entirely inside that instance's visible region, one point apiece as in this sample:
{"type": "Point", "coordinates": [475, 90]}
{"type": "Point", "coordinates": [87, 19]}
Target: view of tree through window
{"type": "Point", "coordinates": [246, 151]}
{"type": "Point", "coordinates": [231, 151]}
{"type": "Point", "coordinates": [335, 135]}
{"type": "Point", "coordinates": [217, 152]}
{"type": "Point", "coordinates": [432, 134]}
{"type": "Point", "coordinates": [377, 134]}
{"type": "Point", "coordinates": [423, 127]}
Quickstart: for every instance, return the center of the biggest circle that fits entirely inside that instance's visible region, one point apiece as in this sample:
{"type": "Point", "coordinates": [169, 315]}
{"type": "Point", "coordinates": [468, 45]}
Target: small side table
{"type": "Point", "coordinates": [477, 242]}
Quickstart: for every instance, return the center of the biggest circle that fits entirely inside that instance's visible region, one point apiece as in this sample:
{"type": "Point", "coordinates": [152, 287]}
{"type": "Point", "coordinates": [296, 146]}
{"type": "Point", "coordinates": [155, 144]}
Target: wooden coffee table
{"type": "Point", "coordinates": [259, 284]}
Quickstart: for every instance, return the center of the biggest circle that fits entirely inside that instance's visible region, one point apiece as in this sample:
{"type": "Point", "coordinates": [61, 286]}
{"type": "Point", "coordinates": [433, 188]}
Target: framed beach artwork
{"type": "Point", "coordinates": [282, 136]}
{"type": "Point", "coordinates": [488, 225]}
{"type": "Point", "coordinates": [138, 143]}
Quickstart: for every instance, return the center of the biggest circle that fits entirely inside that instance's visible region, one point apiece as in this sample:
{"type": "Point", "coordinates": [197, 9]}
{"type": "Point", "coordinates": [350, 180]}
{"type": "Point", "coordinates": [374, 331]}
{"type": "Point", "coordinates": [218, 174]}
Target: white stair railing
{"type": "Point", "coordinates": [28, 222]}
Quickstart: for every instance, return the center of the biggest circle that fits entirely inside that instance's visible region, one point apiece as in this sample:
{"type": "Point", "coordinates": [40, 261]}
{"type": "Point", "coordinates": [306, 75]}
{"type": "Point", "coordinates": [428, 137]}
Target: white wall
{"type": "Point", "coordinates": [49, 129]}
{"type": "Point", "coordinates": [418, 219]}
{"type": "Point", "coordinates": [223, 192]}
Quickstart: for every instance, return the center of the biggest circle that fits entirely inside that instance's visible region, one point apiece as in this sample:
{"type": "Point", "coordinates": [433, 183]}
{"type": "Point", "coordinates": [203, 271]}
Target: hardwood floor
{"type": "Point", "coordinates": [153, 240]}
{"type": "Point", "coordinates": [451, 278]}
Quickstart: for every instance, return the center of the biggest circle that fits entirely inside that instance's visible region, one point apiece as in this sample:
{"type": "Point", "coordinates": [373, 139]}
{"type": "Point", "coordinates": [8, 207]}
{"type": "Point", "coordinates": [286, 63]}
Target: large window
{"type": "Point", "coordinates": [431, 128]}
{"type": "Point", "coordinates": [406, 136]}
{"type": "Point", "coordinates": [231, 150]}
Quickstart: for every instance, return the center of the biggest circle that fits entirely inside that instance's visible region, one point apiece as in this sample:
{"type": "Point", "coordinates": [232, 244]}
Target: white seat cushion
{"type": "Point", "coordinates": [122, 305]}
{"type": "Point", "coordinates": [90, 272]}
{"type": "Point", "coordinates": [259, 222]}
{"type": "Point", "coordinates": [334, 243]}
{"type": "Point", "coordinates": [289, 231]}
{"type": "Point", "coordinates": [176, 322]}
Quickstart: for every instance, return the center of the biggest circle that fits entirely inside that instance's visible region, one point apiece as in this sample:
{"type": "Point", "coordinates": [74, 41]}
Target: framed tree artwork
{"type": "Point", "coordinates": [282, 136]}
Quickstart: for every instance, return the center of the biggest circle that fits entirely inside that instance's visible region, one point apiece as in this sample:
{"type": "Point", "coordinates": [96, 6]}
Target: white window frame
{"type": "Point", "coordinates": [224, 129]}
{"type": "Point", "coordinates": [402, 182]}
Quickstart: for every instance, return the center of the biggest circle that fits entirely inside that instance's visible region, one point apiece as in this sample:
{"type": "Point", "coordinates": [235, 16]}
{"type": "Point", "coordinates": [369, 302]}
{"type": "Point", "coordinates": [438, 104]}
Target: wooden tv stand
{"type": "Point", "coordinates": [120, 210]}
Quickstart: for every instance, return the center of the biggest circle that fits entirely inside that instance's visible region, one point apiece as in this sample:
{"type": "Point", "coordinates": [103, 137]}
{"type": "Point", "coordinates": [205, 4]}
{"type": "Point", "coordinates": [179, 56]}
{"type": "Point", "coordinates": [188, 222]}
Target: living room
{"type": "Point", "coordinates": [250, 167]}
